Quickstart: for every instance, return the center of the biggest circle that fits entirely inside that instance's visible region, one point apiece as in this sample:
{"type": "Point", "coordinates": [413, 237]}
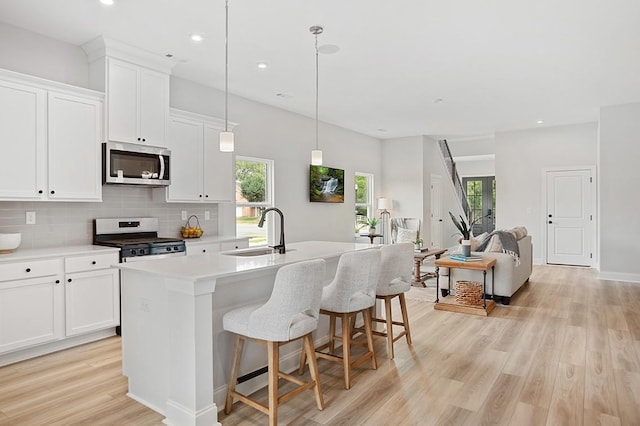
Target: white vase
{"type": "Point", "coordinates": [372, 230]}
{"type": "Point", "coordinates": [466, 248]}
{"type": "Point", "coordinates": [417, 247]}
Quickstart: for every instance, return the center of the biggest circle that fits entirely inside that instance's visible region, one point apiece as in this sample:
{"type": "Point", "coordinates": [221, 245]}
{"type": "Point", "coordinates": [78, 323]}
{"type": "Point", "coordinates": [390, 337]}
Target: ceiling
{"type": "Point", "coordinates": [454, 68]}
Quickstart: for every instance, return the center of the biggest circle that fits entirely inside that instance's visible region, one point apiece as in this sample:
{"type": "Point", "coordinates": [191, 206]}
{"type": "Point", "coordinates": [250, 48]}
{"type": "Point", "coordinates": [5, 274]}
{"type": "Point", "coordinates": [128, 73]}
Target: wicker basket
{"type": "Point", "coordinates": [469, 293]}
{"type": "Point", "coordinates": [189, 231]}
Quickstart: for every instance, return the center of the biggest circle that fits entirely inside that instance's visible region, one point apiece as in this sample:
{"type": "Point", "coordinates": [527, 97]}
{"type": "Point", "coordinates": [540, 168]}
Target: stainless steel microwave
{"type": "Point", "coordinates": [132, 164]}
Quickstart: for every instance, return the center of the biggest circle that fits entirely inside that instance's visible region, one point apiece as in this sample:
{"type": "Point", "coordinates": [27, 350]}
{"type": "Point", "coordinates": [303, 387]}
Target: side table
{"type": "Point", "coordinates": [418, 258]}
{"type": "Point", "coordinates": [371, 236]}
{"type": "Point", "coordinates": [448, 302]}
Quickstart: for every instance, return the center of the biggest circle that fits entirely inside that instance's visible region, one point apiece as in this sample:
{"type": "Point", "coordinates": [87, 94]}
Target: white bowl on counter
{"type": "Point", "coordinates": [9, 242]}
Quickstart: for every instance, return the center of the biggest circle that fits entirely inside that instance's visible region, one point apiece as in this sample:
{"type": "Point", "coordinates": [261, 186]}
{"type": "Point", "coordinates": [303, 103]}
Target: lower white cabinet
{"type": "Point", "coordinates": [50, 299]}
{"type": "Point", "coordinates": [91, 301]}
{"type": "Point", "coordinates": [198, 247]}
{"type": "Point", "coordinates": [31, 312]}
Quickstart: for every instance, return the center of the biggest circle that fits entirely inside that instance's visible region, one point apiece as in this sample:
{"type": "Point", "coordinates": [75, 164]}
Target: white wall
{"type": "Point", "coordinates": [521, 157]}
{"type": "Point", "coordinates": [34, 54]}
{"type": "Point", "coordinates": [619, 156]}
{"type": "Point", "coordinates": [407, 166]}
{"type": "Point", "coordinates": [267, 132]}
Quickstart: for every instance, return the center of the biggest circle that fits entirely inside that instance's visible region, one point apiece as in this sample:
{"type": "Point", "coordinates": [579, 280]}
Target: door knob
{"type": "Point", "coordinates": [550, 222]}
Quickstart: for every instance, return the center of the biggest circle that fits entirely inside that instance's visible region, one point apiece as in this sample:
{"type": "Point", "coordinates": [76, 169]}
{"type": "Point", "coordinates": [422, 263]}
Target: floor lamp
{"type": "Point", "coordinates": [385, 204]}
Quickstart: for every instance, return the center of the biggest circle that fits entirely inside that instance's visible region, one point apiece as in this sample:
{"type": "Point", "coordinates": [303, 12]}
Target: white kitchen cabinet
{"type": "Point", "coordinates": [92, 293]}
{"type": "Point", "coordinates": [204, 247]}
{"type": "Point", "coordinates": [200, 172]}
{"type": "Point", "coordinates": [22, 141]}
{"type": "Point", "coordinates": [137, 103]}
{"type": "Point", "coordinates": [31, 303]}
{"type": "Point", "coordinates": [74, 154]}
{"type": "Point", "coordinates": [50, 140]}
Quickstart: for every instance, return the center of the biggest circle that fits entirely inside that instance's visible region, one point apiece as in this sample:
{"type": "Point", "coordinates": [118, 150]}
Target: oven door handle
{"type": "Point", "coordinates": [161, 166]}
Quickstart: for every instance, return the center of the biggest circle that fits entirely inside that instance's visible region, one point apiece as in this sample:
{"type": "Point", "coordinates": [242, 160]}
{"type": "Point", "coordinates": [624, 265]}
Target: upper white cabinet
{"type": "Point", "coordinates": [74, 163]}
{"type": "Point", "coordinates": [50, 138]}
{"type": "Point", "coordinates": [200, 172]}
{"type": "Point", "coordinates": [137, 103]}
{"type": "Point", "coordinates": [22, 140]}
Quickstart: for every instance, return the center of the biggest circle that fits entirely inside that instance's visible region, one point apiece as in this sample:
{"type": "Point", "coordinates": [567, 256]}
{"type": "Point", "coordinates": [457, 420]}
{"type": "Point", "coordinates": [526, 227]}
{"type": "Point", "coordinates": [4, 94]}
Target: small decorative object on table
{"type": "Point", "coordinates": [417, 245]}
{"type": "Point", "coordinates": [189, 231]}
{"type": "Point", "coordinates": [372, 222]}
{"type": "Point", "coordinates": [465, 231]}
{"type": "Point", "coordinates": [469, 293]}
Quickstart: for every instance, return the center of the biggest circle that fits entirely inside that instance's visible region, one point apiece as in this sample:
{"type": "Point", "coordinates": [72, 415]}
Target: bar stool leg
{"type": "Point", "coordinates": [332, 333]}
{"type": "Point", "coordinates": [346, 349]}
{"type": "Point", "coordinates": [387, 308]}
{"type": "Point", "coordinates": [405, 318]}
{"type": "Point", "coordinates": [313, 369]}
{"type": "Point", "coordinates": [273, 354]}
{"type": "Point", "coordinates": [234, 374]}
{"type": "Point", "coordinates": [368, 327]}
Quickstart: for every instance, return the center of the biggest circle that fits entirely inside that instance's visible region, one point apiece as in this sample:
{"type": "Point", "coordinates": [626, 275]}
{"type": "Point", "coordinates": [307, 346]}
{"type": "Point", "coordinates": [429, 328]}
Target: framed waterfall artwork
{"type": "Point", "coordinates": [326, 185]}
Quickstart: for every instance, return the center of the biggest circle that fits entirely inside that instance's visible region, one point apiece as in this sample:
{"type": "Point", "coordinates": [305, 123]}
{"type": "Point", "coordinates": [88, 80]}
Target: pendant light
{"type": "Point", "coordinates": [226, 137]}
{"type": "Point", "coordinates": [316, 154]}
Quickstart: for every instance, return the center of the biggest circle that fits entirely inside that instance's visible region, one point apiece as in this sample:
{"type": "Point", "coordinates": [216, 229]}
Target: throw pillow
{"type": "Point", "coordinates": [476, 241]}
{"type": "Point", "coordinates": [405, 235]}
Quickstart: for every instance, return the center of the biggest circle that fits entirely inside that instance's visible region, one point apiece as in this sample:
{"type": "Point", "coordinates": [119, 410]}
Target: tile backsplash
{"type": "Point", "coordinates": [67, 224]}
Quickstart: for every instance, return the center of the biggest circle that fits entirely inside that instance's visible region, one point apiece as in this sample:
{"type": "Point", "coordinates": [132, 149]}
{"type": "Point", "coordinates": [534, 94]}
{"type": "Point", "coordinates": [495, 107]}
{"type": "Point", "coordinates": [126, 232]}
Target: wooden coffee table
{"type": "Point", "coordinates": [449, 303]}
{"type": "Point", "coordinates": [418, 258]}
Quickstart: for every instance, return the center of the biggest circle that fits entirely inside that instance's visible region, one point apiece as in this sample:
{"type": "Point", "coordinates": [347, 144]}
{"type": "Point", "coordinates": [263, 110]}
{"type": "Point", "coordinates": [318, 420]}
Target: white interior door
{"type": "Point", "coordinates": [569, 217]}
{"type": "Point", "coordinates": [436, 211]}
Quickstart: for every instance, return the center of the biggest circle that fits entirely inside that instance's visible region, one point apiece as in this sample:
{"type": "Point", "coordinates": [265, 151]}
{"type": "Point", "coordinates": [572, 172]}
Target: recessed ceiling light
{"type": "Point", "coordinates": [196, 37]}
{"type": "Point", "coordinates": [169, 55]}
{"type": "Point", "coordinates": [438, 100]}
{"type": "Point", "coordinates": [262, 65]}
{"type": "Point", "coordinates": [107, 2]}
{"type": "Point", "coordinates": [284, 95]}
{"type": "Point", "coordinates": [540, 122]}
{"type": "Point", "coordinates": [382, 130]}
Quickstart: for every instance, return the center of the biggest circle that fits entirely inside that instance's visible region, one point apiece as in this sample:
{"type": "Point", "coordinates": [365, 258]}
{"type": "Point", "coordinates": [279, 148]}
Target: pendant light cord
{"type": "Point", "coordinates": [317, 90]}
{"type": "Point", "coordinates": [226, 65]}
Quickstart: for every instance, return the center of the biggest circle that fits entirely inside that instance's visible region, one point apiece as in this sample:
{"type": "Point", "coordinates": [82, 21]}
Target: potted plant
{"type": "Point", "coordinates": [372, 222]}
{"type": "Point", "coordinates": [465, 231]}
{"type": "Point", "coordinates": [417, 244]}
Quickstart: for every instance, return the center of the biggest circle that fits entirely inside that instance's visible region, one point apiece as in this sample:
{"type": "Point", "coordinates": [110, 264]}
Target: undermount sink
{"type": "Point", "coordinates": [253, 252]}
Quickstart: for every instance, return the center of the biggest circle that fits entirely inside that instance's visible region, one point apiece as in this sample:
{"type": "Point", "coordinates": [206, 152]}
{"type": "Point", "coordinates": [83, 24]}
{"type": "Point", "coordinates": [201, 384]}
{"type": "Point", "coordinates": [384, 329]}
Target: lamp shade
{"type": "Point", "coordinates": [316, 157]}
{"type": "Point", "coordinates": [226, 141]}
{"type": "Point", "coordinates": [385, 203]}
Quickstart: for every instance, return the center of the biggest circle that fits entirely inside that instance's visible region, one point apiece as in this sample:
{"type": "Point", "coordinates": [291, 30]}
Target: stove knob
{"type": "Point", "coordinates": [141, 252]}
{"type": "Point", "coordinates": [168, 248]}
{"type": "Point", "coordinates": [133, 252]}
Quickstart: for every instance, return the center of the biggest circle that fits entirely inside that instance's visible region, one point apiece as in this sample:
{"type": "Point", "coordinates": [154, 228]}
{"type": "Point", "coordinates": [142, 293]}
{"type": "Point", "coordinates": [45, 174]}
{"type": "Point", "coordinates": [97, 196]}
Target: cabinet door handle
{"type": "Point", "coordinates": [28, 269]}
{"type": "Point", "coordinates": [204, 250]}
{"type": "Point", "coordinates": [206, 196]}
{"type": "Point", "coordinates": [200, 195]}
{"type": "Point", "coordinates": [57, 281]}
{"type": "Point", "coordinates": [69, 280]}
{"type": "Point", "coordinates": [93, 262]}
{"type": "Point", "coordinates": [138, 138]}
{"type": "Point", "coordinates": [40, 192]}
{"type": "Point", "coordinates": [53, 192]}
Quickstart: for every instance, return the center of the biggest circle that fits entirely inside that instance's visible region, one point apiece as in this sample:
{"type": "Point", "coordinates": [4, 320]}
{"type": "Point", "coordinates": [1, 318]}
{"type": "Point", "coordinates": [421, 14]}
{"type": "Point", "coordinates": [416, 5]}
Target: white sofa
{"type": "Point", "coordinates": [509, 276]}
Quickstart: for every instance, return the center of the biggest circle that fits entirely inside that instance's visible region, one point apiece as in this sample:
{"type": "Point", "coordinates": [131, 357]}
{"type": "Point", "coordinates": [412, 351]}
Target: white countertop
{"type": "Point", "coordinates": [217, 265]}
{"type": "Point", "coordinates": [41, 253]}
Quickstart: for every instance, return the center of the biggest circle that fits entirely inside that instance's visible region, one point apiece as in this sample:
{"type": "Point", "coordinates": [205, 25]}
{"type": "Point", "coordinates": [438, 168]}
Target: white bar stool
{"type": "Point", "coordinates": [351, 292]}
{"type": "Point", "coordinates": [396, 267]}
{"type": "Point", "coordinates": [291, 313]}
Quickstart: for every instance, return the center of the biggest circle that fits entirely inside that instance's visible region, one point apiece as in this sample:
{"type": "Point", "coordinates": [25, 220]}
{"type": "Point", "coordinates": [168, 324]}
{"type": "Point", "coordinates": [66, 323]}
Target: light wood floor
{"type": "Point", "coordinates": [567, 351]}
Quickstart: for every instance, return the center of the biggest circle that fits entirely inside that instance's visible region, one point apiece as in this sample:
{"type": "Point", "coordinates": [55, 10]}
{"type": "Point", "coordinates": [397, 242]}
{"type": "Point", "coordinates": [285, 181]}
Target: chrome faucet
{"type": "Point", "coordinates": [280, 247]}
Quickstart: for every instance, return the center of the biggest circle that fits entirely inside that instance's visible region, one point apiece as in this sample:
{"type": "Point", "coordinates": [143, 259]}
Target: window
{"type": "Point", "coordinates": [364, 200]}
{"type": "Point", "coordinates": [254, 193]}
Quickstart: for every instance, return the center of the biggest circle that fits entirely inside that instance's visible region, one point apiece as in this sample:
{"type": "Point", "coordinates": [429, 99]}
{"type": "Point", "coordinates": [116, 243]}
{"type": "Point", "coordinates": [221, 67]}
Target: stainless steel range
{"type": "Point", "coordinates": [137, 238]}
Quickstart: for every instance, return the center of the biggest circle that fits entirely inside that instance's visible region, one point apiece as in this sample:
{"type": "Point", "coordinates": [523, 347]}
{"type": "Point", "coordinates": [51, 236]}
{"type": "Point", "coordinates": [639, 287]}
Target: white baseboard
{"type": "Point", "coordinates": [619, 276]}
{"type": "Point", "coordinates": [34, 351]}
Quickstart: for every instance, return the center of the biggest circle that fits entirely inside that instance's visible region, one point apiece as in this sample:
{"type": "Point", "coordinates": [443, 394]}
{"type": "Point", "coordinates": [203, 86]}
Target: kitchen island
{"type": "Point", "coordinates": [174, 351]}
